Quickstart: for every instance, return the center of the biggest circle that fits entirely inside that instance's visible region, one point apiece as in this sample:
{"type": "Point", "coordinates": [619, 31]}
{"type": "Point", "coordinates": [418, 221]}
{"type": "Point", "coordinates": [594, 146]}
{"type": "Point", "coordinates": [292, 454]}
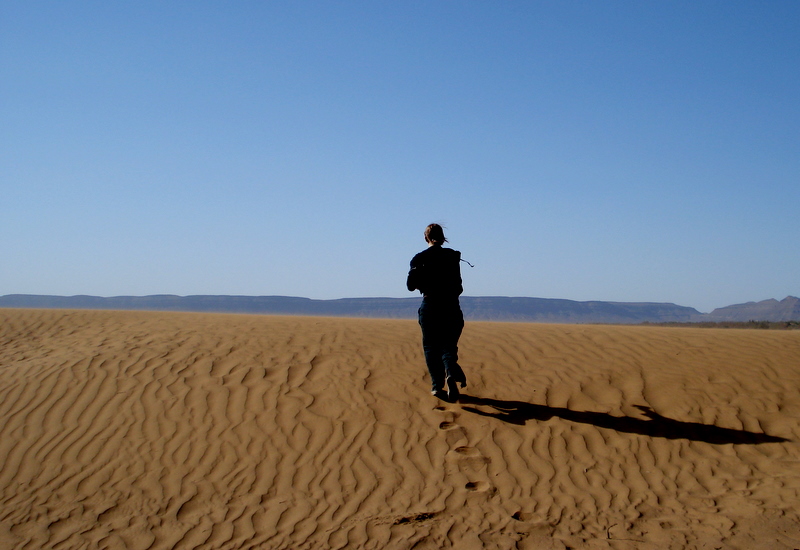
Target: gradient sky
{"type": "Point", "coordinates": [615, 150]}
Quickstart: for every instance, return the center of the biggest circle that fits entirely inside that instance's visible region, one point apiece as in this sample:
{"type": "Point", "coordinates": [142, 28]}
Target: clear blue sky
{"type": "Point", "coordinates": [626, 151]}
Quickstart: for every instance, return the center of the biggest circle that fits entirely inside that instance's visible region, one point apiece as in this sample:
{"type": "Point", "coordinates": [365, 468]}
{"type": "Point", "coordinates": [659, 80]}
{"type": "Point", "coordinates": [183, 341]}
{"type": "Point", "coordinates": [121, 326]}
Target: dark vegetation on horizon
{"type": "Point", "coordinates": [763, 325]}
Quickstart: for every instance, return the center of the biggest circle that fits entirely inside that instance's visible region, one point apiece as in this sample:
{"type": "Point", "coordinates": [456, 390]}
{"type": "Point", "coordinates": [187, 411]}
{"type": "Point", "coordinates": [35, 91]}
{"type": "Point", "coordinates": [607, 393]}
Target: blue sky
{"type": "Point", "coordinates": [625, 151]}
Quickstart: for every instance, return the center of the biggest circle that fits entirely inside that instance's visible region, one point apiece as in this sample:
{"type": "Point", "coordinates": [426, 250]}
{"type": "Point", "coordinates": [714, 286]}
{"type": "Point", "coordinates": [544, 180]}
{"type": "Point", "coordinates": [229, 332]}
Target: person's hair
{"type": "Point", "coordinates": [435, 234]}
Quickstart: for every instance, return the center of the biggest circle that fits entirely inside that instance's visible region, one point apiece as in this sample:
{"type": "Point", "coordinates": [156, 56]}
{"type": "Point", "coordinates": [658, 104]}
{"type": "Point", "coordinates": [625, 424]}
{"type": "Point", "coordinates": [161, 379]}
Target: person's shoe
{"type": "Point", "coordinates": [459, 376]}
{"type": "Point", "coordinates": [452, 390]}
{"type": "Point", "coordinates": [440, 394]}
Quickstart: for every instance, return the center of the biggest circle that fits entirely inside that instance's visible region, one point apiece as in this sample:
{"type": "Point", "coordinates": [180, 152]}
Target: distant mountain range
{"type": "Point", "coordinates": [787, 309]}
{"type": "Point", "coordinates": [484, 308]}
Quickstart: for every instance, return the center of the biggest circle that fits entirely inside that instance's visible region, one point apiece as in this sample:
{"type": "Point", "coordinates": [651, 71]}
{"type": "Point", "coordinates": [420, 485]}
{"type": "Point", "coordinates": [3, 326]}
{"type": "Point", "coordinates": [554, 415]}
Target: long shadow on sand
{"type": "Point", "coordinates": [519, 412]}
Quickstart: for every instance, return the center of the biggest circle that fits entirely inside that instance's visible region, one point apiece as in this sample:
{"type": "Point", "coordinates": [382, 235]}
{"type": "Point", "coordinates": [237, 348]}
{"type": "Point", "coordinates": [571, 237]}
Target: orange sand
{"type": "Point", "coordinates": [145, 430]}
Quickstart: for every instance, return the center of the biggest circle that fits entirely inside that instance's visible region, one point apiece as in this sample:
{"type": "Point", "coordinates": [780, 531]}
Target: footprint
{"type": "Point", "coordinates": [415, 518]}
{"type": "Point", "coordinates": [453, 433]}
{"type": "Point", "coordinates": [478, 486]}
{"type": "Point", "coordinates": [472, 457]}
{"type": "Point", "coordinates": [467, 451]}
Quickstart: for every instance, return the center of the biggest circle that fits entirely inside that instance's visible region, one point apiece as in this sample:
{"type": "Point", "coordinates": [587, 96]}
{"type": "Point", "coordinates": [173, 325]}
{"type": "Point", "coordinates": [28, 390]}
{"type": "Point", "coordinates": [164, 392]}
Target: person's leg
{"type": "Point", "coordinates": [432, 347]}
{"type": "Point", "coordinates": [454, 374]}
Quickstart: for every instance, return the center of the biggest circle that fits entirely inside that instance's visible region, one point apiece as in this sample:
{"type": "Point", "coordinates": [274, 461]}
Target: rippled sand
{"type": "Point", "coordinates": [165, 430]}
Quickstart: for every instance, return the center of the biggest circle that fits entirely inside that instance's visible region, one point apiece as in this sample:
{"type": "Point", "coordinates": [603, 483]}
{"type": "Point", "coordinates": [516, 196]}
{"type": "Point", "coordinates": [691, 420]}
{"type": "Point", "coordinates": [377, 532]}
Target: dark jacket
{"type": "Point", "coordinates": [436, 273]}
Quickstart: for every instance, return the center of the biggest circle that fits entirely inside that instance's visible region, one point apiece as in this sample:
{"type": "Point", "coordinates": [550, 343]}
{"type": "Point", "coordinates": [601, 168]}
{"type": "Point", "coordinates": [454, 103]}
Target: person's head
{"type": "Point", "coordinates": [434, 234]}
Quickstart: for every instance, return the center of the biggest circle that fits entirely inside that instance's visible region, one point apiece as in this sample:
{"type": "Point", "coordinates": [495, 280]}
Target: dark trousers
{"type": "Point", "coordinates": [441, 328]}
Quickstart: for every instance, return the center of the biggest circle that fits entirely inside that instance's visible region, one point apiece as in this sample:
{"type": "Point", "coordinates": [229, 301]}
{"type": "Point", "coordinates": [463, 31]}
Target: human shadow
{"type": "Point", "coordinates": [519, 412]}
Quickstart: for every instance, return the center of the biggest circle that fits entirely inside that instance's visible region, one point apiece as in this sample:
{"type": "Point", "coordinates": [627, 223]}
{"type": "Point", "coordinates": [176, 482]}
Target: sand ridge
{"type": "Point", "coordinates": [171, 430]}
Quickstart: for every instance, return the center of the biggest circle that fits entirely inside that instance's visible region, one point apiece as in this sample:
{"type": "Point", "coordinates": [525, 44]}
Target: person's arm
{"type": "Point", "coordinates": [414, 275]}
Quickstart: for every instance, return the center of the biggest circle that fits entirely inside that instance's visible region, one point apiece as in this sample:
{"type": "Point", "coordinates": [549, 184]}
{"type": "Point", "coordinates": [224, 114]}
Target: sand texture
{"type": "Point", "coordinates": [137, 430]}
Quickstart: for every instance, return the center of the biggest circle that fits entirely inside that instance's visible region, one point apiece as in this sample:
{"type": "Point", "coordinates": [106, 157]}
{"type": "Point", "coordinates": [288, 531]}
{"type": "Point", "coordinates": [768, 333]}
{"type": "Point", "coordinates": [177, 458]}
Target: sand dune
{"type": "Point", "coordinates": [157, 431]}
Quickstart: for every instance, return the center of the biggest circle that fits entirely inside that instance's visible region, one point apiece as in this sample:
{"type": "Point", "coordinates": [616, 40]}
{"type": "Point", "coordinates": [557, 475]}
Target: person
{"type": "Point", "coordinates": [436, 273]}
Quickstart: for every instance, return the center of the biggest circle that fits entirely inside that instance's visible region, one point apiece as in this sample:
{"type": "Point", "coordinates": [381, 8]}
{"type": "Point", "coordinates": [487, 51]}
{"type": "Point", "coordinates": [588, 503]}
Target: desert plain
{"type": "Point", "coordinates": [144, 430]}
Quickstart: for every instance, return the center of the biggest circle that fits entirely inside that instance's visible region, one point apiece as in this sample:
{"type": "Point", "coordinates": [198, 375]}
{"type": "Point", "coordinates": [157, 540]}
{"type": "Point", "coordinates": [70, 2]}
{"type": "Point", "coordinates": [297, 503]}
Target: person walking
{"type": "Point", "coordinates": [436, 273]}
